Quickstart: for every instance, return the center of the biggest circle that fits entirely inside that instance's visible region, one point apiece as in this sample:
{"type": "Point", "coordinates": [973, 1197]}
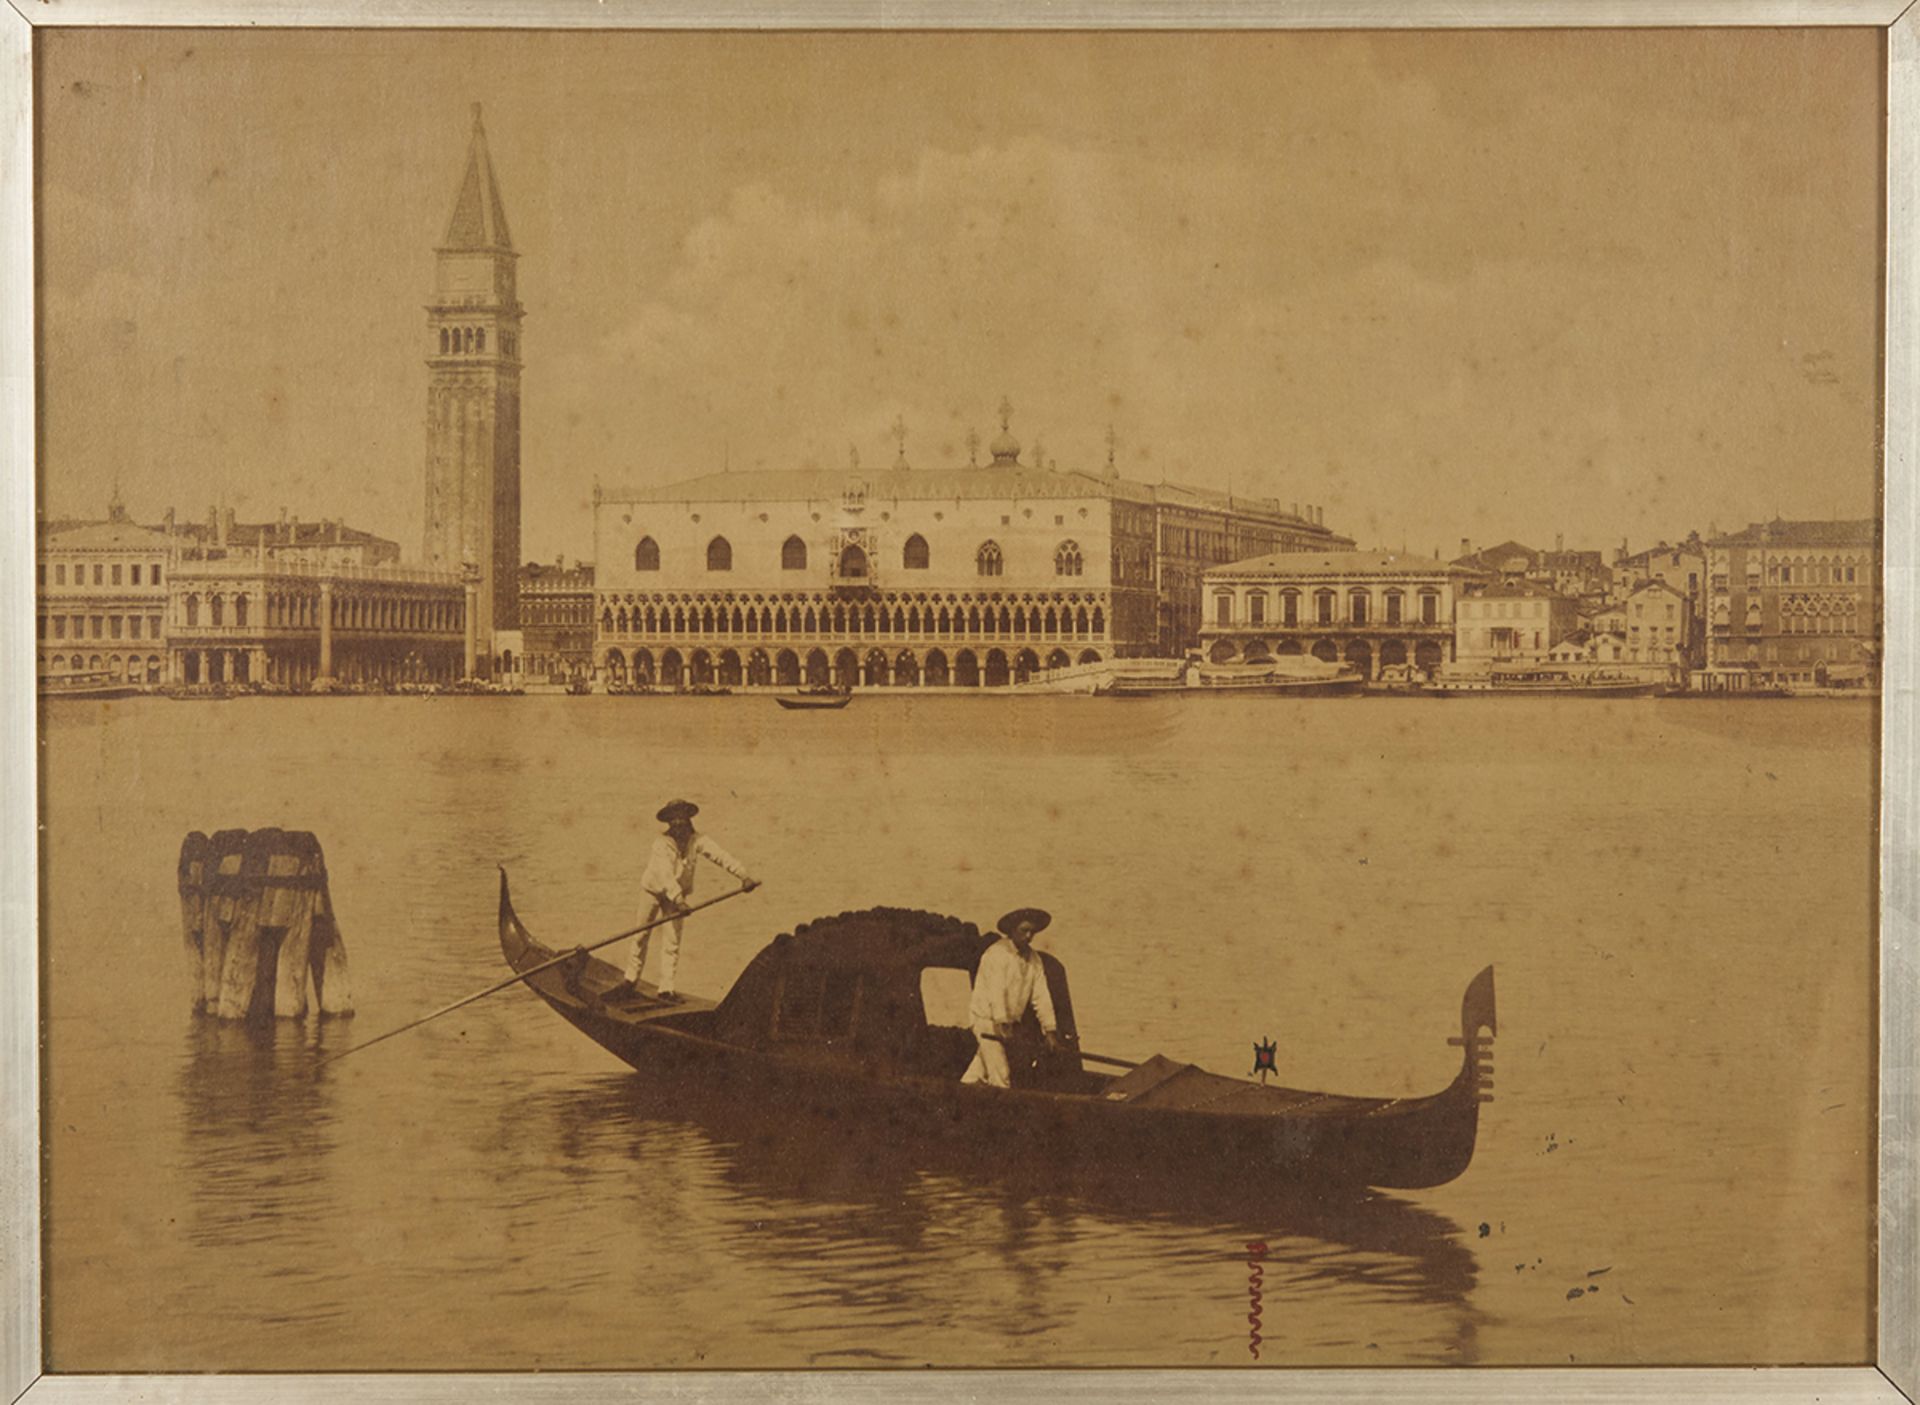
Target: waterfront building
{"type": "Point", "coordinates": [556, 620]}
{"type": "Point", "coordinates": [101, 594]}
{"type": "Point", "coordinates": [473, 401]}
{"type": "Point", "coordinates": [1368, 609]}
{"type": "Point", "coordinates": [1796, 602]}
{"type": "Point", "coordinates": [1659, 625]}
{"type": "Point", "coordinates": [328, 542]}
{"type": "Point", "coordinates": [1514, 622]}
{"type": "Point", "coordinates": [258, 620]}
{"type": "Point", "coordinates": [903, 577]}
{"type": "Point", "coordinates": [1571, 573]}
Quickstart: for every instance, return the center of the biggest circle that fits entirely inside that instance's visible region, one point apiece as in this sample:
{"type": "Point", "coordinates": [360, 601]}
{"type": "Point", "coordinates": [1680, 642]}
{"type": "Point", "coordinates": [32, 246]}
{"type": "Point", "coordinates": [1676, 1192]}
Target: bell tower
{"type": "Point", "coordinates": [473, 399]}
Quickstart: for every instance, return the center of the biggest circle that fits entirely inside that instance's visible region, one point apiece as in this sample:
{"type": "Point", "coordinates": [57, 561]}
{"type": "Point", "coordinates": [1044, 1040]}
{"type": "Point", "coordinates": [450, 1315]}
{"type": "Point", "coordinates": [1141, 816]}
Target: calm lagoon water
{"type": "Point", "coordinates": [1677, 897]}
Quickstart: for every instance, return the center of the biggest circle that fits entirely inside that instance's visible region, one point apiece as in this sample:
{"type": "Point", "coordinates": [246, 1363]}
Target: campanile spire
{"type": "Point", "coordinates": [473, 396]}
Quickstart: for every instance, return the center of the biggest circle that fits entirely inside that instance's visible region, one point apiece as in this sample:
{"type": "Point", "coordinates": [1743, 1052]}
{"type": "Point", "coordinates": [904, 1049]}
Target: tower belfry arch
{"type": "Point", "coordinates": [473, 397]}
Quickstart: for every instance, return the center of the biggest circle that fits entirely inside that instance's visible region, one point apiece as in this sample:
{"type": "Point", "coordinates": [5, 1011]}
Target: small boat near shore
{"type": "Point", "coordinates": [1540, 682]}
{"type": "Point", "coordinates": [1195, 681]}
{"type": "Point", "coordinates": [817, 700]}
{"type": "Point", "coordinates": [833, 1023]}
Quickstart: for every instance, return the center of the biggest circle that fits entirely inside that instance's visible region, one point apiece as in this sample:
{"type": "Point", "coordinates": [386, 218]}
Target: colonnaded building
{"type": "Point", "coordinates": [1367, 609]}
{"type": "Point", "coordinates": [905, 577]}
{"type": "Point", "coordinates": [283, 603]}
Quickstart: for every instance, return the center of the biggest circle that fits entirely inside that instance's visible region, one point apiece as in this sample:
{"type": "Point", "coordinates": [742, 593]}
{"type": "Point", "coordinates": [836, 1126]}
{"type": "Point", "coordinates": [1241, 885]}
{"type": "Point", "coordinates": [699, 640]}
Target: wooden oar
{"type": "Point", "coordinates": [570, 955]}
{"type": "Point", "coordinates": [1104, 1059]}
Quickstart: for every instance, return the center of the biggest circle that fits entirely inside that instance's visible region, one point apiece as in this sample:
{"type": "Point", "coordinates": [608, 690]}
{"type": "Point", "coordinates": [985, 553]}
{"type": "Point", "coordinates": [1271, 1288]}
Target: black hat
{"type": "Point", "coordinates": [677, 810]}
{"type": "Point", "coordinates": [1032, 916]}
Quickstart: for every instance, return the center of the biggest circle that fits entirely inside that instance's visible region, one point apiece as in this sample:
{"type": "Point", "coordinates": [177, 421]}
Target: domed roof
{"type": "Point", "coordinates": [1005, 448]}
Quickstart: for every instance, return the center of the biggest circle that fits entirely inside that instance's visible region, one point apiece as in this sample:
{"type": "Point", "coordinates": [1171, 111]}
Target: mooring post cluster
{"type": "Point", "coordinates": [258, 920]}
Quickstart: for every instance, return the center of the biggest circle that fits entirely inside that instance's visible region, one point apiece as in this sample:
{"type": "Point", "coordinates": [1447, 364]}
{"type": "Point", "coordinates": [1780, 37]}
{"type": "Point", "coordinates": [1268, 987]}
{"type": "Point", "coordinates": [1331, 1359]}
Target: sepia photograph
{"type": "Point", "coordinates": [867, 701]}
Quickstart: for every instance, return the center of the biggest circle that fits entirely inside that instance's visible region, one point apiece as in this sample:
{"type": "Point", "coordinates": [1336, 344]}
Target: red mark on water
{"type": "Point", "coordinates": [1256, 1252]}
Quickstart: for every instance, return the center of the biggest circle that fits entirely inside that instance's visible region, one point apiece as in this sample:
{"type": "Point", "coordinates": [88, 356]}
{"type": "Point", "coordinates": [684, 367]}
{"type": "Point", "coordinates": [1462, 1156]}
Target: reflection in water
{"type": "Point", "coordinates": [891, 1236]}
{"type": "Point", "coordinates": [257, 1131]}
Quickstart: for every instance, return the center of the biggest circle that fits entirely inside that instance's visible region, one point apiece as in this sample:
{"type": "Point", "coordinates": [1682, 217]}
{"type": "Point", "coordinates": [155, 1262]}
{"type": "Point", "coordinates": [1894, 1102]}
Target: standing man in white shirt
{"type": "Point", "coordinates": [667, 884]}
{"type": "Point", "coordinates": [1009, 981]}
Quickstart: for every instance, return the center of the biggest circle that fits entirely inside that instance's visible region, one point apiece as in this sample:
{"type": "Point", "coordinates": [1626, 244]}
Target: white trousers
{"type": "Point", "coordinates": [653, 911]}
{"type": "Point", "coordinates": [989, 1066]}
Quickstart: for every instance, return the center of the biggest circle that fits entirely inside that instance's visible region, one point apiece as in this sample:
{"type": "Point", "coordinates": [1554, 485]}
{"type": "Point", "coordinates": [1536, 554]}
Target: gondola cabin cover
{"type": "Point", "coordinates": [861, 989]}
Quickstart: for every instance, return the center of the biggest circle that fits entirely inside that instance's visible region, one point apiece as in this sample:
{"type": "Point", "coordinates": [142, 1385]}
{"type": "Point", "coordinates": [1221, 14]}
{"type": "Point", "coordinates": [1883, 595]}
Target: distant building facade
{"type": "Point", "coordinates": [1518, 622]}
{"type": "Point", "coordinates": [556, 621]}
{"type": "Point", "coordinates": [906, 577]}
{"type": "Point", "coordinates": [329, 542]}
{"type": "Point", "coordinates": [1659, 622]}
{"type": "Point", "coordinates": [101, 596]}
{"type": "Point", "coordinates": [255, 620]}
{"type": "Point", "coordinates": [1796, 602]}
{"type": "Point", "coordinates": [473, 400]}
{"type": "Point", "coordinates": [1368, 609]}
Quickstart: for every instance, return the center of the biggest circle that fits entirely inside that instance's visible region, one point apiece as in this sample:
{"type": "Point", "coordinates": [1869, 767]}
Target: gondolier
{"type": "Point", "coordinates": [666, 885]}
{"type": "Point", "coordinates": [1009, 981]}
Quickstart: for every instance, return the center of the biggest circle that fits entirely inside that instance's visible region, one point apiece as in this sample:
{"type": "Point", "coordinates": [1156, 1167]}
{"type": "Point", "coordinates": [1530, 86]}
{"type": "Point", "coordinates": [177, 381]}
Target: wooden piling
{"type": "Point", "coordinates": [259, 926]}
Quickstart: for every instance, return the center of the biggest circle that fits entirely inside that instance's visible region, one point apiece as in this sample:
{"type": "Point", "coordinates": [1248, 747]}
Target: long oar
{"type": "Point", "coordinates": [569, 955]}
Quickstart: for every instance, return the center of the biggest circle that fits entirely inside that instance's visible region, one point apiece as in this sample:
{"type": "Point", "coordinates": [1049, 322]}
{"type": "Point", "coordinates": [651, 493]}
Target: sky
{"type": "Point", "coordinates": [1602, 286]}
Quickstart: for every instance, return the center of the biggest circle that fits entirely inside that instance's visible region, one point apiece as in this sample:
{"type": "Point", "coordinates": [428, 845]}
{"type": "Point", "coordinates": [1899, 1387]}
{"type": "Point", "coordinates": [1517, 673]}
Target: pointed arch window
{"type": "Point", "coordinates": [793, 555]}
{"type": "Point", "coordinates": [480, 339]}
{"type": "Point", "coordinates": [915, 556]}
{"type": "Point", "coordinates": [719, 554]}
{"type": "Point", "coordinates": [646, 556]}
{"type": "Point", "coordinates": [1067, 560]}
{"type": "Point", "coordinates": [988, 559]}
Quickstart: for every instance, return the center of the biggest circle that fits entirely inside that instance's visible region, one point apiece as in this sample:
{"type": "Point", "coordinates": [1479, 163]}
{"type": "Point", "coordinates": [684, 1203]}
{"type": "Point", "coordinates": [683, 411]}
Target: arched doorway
{"type": "Point", "coordinates": [730, 671]}
{"type": "Point", "coordinates": [759, 669]}
{"type": "Point", "coordinates": [853, 563]}
{"type": "Point", "coordinates": [643, 667]}
{"type": "Point", "coordinates": [906, 670]}
{"type": "Point", "coordinates": [1327, 651]}
{"type": "Point", "coordinates": [1257, 652]}
{"type": "Point", "coordinates": [1059, 659]}
{"type": "Point", "coordinates": [1025, 664]}
{"type": "Point", "coordinates": [846, 669]}
{"type": "Point", "coordinates": [996, 672]}
{"type": "Point", "coordinates": [936, 669]}
{"type": "Point", "coordinates": [1393, 653]}
{"type": "Point", "coordinates": [673, 671]}
{"type": "Point", "coordinates": [818, 673]}
{"type": "Point", "coordinates": [966, 669]}
{"type": "Point", "coordinates": [1089, 656]}
{"type": "Point", "coordinates": [1287, 648]}
{"type": "Point", "coordinates": [1428, 654]}
{"type": "Point", "coordinates": [216, 665]}
{"type": "Point", "coordinates": [874, 671]}
{"type": "Point", "coordinates": [1222, 651]}
{"type": "Point", "coordinates": [786, 668]}
{"type": "Point", "coordinates": [700, 668]}
{"type": "Point", "coordinates": [1360, 657]}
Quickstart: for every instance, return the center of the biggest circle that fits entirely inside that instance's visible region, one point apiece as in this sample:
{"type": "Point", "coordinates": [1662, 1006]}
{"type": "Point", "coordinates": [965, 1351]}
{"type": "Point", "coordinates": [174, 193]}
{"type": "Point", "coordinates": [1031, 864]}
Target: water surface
{"type": "Point", "coordinates": [1676, 895]}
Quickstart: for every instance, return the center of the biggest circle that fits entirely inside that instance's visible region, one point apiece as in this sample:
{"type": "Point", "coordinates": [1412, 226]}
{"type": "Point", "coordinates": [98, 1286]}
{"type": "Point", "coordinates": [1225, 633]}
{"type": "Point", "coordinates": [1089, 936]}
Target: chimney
{"type": "Point", "coordinates": [283, 517]}
{"type": "Point", "coordinates": [213, 522]}
{"type": "Point", "coordinates": [1559, 542]}
{"type": "Point", "coordinates": [1466, 547]}
{"type": "Point", "coordinates": [167, 522]}
{"type": "Point", "coordinates": [333, 529]}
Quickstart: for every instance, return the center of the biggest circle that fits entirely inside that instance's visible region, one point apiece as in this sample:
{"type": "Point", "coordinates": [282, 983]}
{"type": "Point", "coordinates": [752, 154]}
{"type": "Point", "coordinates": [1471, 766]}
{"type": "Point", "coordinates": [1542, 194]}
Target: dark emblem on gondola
{"type": "Point", "coordinates": [1263, 1063]}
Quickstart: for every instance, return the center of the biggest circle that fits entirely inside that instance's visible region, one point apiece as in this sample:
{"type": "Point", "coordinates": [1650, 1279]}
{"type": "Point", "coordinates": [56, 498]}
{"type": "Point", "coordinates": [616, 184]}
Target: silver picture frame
{"type": "Point", "coordinates": [1895, 1376]}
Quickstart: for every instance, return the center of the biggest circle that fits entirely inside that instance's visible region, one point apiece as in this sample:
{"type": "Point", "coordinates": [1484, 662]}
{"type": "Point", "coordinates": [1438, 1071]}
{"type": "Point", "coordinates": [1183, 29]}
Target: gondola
{"type": "Point", "coordinates": [831, 1022]}
{"type": "Point", "coordinates": [807, 702]}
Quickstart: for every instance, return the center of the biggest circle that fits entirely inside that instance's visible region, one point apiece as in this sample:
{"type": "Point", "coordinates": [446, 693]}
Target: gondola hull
{"type": "Point", "coordinates": [1293, 1137]}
